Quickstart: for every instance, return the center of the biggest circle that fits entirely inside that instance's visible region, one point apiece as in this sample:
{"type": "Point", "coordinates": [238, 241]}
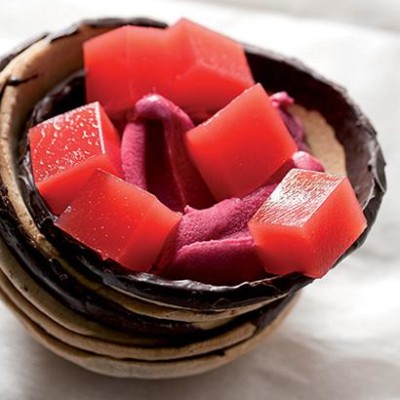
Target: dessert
{"type": "Point", "coordinates": [68, 148]}
{"type": "Point", "coordinates": [132, 231]}
{"type": "Point", "coordinates": [238, 154]}
{"type": "Point", "coordinates": [312, 218]}
{"type": "Point", "coordinates": [154, 121]}
{"type": "Point", "coordinates": [232, 151]}
{"type": "Point", "coordinates": [137, 304]}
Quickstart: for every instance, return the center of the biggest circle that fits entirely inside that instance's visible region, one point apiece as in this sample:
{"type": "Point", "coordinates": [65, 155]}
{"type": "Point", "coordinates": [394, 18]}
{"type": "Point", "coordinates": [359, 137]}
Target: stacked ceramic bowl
{"type": "Point", "coordinates": [134, 324]}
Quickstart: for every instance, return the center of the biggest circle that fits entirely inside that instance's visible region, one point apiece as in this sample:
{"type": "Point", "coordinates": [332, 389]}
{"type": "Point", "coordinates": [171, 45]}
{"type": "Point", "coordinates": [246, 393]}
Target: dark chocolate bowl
{"type": "Point", "coordinates": [126, 324]}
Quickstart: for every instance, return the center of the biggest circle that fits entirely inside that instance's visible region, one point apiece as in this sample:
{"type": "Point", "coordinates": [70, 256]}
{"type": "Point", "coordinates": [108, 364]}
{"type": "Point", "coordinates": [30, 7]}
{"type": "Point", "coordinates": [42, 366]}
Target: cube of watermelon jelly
{"type": "Point", "coordinates": [210, 69]}
{"type": "Point", "coordinates": [242, 146]}
{"type": "Point", "coordinates": [125, 64]}
{"type": "Point", "coordinates": [66, 150]}
{"type": "Point", "coordinates": [307, 223]}
{"type": "Point", "coordinates": [196, 68]}
{"type": "Point", "coordinates": [120, 221]}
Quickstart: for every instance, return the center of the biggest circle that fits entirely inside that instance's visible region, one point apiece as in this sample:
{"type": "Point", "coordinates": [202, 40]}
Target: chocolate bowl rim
{"type": "Point", "coordinates": [210, 297]}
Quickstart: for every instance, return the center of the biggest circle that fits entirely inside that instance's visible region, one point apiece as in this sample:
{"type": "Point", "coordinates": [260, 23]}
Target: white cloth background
{"type": "Point", "coordinates": [342, 341]}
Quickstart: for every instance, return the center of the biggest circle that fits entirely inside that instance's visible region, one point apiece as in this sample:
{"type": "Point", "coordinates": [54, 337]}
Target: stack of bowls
{"type": "Point", "coordinates": [138, 325]}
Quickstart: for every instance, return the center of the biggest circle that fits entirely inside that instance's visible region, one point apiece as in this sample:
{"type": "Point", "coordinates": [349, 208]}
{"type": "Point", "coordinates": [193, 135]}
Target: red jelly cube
{"type": "Point", "coordinates": [119, 220]}
{"type": "Point", "coordinates": [66, 149]}
{"type": "Point", "coordinates": [210, 69]}
{"type": "Point", "coordinates": [125, 64]}
{"type": "Point", "coordinates": [307, 223]}
{"type": "Point", "coordinates": [241, 146]}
